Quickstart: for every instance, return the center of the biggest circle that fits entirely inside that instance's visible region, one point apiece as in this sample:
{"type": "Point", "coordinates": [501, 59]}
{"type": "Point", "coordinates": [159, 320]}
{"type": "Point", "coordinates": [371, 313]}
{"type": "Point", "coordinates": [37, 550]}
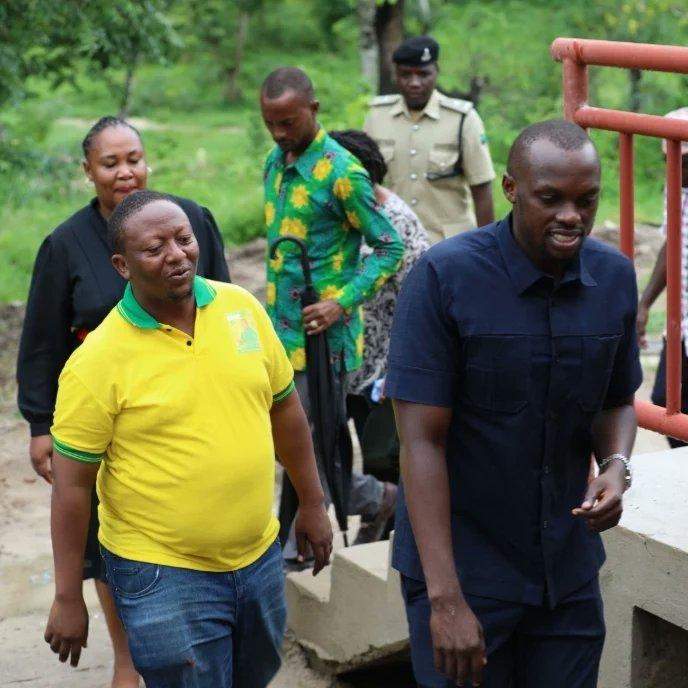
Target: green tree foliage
{"type": "Point", "coordinates": [37, 38]}
{"type": "Point", "coordinates": [52, 39]}
{"type": "Point", "coordinates": [222, 28]}
{"type": "Point", "coordinates": [118, 36]}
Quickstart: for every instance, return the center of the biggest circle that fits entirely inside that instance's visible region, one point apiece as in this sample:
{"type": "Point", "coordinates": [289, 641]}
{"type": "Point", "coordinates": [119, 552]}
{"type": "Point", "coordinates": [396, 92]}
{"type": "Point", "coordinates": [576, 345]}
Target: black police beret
{"type": "Point", "coordinates": [417, 51]}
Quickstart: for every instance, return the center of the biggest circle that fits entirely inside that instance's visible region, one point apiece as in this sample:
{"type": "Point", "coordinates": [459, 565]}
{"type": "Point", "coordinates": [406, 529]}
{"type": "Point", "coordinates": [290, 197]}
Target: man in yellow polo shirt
{"type": "Point", "coordinates": [178, 402]}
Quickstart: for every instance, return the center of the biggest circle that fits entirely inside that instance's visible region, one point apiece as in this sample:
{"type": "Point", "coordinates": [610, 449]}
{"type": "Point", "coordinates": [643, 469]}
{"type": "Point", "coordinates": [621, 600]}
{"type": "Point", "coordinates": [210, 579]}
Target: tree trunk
{"type": "Point", "coordinates": [635, 97]}
{"type": "Point", "coordinates": [368, 48]}
{"type": "Point", "coordinates": [233, 91]}
{"type": "Point", "coordinates": [425, 16]}
{"type": "Point", "coordinates": [127, 93]}
{"type": "Point", "coordinates": [389, 28]}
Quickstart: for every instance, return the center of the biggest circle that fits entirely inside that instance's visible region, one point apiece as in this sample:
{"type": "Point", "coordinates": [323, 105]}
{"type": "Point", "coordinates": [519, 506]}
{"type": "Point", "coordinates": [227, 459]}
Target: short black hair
{"type": "Point", "coordinates": [365, 149]}
{"type": "Point", "coordinates": [565, 135]}
{"type": "Point", "coordinates": [285, 79]}
{"type": "Point", "coordinates": [129, 206]}
{"type": "Point", "coordinates": [102, 124]}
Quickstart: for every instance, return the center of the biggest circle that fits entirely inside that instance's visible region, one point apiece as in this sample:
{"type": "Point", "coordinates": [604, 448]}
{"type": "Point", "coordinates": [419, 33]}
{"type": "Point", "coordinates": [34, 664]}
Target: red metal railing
{"type": "Point", "coordinates": [576, 54]}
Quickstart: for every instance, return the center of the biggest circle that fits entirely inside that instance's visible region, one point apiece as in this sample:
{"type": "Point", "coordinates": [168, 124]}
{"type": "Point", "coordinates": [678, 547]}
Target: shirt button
{"type": "Point", "coordinates": [413, 151]}
{"type": "Point", "coordinates": [414, 201]}
{"type": "Point", "coordinates": [545, 524]}
{"type": "Point", "coordinates": [414, 175]}
{"type": "Point", "coordinates": [415, 127]}
{"type": "Point", "coordinates": [188, 342]}
{"type": "Point", "coordinates": [545, 470]}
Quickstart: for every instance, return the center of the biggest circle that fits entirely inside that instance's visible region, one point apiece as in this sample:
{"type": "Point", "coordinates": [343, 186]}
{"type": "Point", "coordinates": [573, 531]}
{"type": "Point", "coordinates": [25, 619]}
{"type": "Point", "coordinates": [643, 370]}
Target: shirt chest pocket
{"type": "Point", "coordinates": [597, 362]}
{"type": "Point", "coordinates": [386, 147]}
{"type": "Point", "coordinates": [497, 373]}
{"type": "Point", "coordinates": [441, 159]}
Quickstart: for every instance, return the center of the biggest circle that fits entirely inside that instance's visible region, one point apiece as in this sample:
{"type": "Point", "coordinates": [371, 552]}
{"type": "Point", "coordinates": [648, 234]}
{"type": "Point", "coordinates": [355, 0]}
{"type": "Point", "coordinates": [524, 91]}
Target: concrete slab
{"type": "Point", "coordinates": [645, 579]}
{"type": "Point", "coordinates": [359, 619]}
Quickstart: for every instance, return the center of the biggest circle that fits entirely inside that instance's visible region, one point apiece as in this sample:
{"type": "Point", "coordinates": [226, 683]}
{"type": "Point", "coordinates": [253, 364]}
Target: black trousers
{"type": "Point", "coordinates": [659, 389]}
{"type": "Point", "coordinates": [527, 646]}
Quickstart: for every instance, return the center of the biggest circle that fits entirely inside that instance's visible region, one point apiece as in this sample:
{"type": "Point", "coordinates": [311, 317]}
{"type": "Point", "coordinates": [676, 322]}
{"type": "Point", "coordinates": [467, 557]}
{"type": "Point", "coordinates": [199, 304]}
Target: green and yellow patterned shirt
{"type": "Point", "coordinates": [325, 197]}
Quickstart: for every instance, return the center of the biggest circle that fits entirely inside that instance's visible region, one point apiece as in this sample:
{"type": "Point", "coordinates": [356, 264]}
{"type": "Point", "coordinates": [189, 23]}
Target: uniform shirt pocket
{"type": "Point", "coordinates": [497, 373]}
{"type": "Point", "coordinates": [442, 159]}
{"type": "Point", "coordinates": [387, 149]}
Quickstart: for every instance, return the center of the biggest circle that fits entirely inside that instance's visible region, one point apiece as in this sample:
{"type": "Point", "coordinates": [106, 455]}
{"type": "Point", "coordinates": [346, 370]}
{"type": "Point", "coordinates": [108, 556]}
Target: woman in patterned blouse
{"type": "Point", "coordinates": [379, 310]}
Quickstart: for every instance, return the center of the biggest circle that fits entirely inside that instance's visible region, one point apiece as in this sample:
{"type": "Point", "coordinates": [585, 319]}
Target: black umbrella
{"type": "Point", "coordinates": [328, 417]}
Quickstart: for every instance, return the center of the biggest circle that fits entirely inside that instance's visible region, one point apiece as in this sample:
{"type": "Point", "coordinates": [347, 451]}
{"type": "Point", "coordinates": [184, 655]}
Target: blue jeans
{"type": "Point", "coordinates": [197, 629]}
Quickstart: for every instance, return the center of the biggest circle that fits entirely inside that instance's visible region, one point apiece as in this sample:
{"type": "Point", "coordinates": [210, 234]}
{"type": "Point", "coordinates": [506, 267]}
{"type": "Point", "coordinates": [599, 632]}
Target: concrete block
{"type": "Point", "coordinates": [645, 580]}
{"type": "Point", "coordinates": [352, 613]}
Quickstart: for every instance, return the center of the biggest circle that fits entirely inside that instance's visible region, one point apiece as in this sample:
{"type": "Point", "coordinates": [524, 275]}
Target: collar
{"type": "Point", "coordinates": [431, 109]}
{"type": "Point", "coordinates": [130, 309]}
{"type": "Point", "coordinates": [304, 163]}
{"type": "Point", "coordinates": [521, 269]}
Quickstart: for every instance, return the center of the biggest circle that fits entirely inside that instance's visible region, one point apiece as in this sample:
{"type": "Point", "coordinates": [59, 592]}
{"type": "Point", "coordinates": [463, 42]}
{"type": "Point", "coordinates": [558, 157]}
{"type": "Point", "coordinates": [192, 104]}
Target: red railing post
{"type": "Point", "coordinates": [576, 55]}
{"type": "Point", "coordinates": [575, 77]}
{"type": "Point", "coordinates": [626, 200]}
{"type": "Point", "coordinates": [673, 258]}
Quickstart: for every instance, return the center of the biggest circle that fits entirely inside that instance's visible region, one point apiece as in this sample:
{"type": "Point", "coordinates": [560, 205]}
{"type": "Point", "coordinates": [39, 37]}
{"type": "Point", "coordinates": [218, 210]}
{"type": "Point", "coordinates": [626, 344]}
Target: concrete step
{"type": "Point", "coordinates": [352, 613]}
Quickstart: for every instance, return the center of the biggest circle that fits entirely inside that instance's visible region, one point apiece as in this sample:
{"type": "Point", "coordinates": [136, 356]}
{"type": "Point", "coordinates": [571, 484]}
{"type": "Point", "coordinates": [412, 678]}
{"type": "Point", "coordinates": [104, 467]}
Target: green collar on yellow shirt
{"type": "Point", "coordinates": [130, 309]}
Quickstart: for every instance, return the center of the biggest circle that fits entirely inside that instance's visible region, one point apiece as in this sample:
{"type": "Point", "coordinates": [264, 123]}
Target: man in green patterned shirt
{"type": "Point", "coordinates": [318, 191]}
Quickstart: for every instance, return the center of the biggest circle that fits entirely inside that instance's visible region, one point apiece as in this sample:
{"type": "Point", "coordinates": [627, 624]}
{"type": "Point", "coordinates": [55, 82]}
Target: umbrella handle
{"type": "Point", "coordinates": [305, 265]}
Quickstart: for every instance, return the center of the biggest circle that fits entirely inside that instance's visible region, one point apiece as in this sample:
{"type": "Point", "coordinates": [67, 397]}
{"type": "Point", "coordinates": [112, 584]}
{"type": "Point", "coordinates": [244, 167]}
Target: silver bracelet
{"type": "Point", "coordinates": [628, 478]}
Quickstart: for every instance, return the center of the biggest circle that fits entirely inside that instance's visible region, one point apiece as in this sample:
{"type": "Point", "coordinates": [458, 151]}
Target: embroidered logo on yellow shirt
{"type": "Point", "coordinates": [244, 331]}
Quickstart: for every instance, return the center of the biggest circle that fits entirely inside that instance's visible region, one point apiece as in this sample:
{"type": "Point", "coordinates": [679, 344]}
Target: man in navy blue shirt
{"type": "Point", "coordinates": [513, 359]}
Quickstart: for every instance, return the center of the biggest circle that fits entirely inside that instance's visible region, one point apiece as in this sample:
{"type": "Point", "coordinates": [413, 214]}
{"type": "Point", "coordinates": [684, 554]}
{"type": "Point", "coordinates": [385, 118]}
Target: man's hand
{"type": "Point", "coordinates": [41, 453]}
{"type": "Point", "coordinates": [641, 324]}
{"type": "Point", "coordinates": [318, 317]}
{"type": "Point", "coordinates": [313, 528]}
{"type": "Point", "coordinates": [457, 641]}
{"type": "Point", "coordinates": [603, 502]}
{"type": "Point", "coordinates": [67, 629]}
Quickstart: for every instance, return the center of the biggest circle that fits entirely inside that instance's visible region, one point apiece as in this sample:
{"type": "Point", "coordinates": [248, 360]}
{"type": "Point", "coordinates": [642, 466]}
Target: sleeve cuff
{"type": "Point", "coordinates": [284, 393]}
{"type": "Point", "coordinates": [76, 454]}
{"type": "Point", "coordinates": [347, 301]}
{"type": "Point", "coordinates": [38, 429]}
{"type": "Point", "coordinates": [420, 386]}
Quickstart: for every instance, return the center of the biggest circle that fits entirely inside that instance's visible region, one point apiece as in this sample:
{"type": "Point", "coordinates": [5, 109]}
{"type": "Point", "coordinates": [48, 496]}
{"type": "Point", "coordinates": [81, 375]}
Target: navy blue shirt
{"type": "Point", "coordinates": [525, 364]}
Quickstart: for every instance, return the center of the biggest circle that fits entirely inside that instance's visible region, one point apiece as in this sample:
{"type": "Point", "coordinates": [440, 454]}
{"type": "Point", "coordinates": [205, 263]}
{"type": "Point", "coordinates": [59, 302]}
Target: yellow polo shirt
{"type": "Point", "coordinates": [182, 426]}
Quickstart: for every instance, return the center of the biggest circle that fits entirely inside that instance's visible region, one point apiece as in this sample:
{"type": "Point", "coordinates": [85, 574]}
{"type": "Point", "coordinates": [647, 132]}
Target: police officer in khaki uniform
{"type": "Point", "coordinates": [435, 146]}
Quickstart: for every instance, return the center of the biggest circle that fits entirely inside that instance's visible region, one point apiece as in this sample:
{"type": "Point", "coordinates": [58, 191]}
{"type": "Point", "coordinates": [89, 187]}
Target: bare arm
{"type": "Point", "coordinates": [653, 289]}
{"type": "Point", "coordinates": [613, 432]}
{"type": "Point", "coordinates": [457, 637]}
{"type": "Point", "coordinates": [294, 446]}
{"type": "Point", "coordinates": [482, 200]}
{"type": "Point", "coordinates": [67, 628]}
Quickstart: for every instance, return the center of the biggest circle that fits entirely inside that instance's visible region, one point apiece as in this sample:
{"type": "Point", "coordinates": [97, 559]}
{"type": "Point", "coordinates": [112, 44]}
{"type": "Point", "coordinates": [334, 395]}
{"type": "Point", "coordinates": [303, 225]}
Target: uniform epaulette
{"type": "Point", "coordinates": [389, 99]}
{"type": "Point", "coordinates": [456, 104]}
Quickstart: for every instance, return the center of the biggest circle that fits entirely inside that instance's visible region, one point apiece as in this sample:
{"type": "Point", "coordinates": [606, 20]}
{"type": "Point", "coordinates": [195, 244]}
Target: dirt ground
{"type": "Point", "coordinates": [25, 558]}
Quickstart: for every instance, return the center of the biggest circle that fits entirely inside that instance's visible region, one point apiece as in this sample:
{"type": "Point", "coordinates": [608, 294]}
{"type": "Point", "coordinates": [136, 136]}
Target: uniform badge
{"type": "Point", "coordinates": [426, 57]}
{"type": "Point", "coordinates": [244, 332]}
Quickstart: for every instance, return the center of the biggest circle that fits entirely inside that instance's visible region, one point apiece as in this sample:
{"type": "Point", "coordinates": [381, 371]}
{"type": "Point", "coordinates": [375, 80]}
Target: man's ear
{"type": "Point", "coordinates": [509, 188]}
{"type": "Point", "coordinates": [315, 106]}
{"type": "Point", "coordinates": [119, 262]}
{"type": "Point", "coordinates": [87, 169]}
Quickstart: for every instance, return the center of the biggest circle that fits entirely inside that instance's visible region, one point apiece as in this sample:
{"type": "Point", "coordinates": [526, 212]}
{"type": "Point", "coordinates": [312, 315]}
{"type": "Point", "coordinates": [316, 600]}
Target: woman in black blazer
{"type": "Point", "coordinates": [73, 288]}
